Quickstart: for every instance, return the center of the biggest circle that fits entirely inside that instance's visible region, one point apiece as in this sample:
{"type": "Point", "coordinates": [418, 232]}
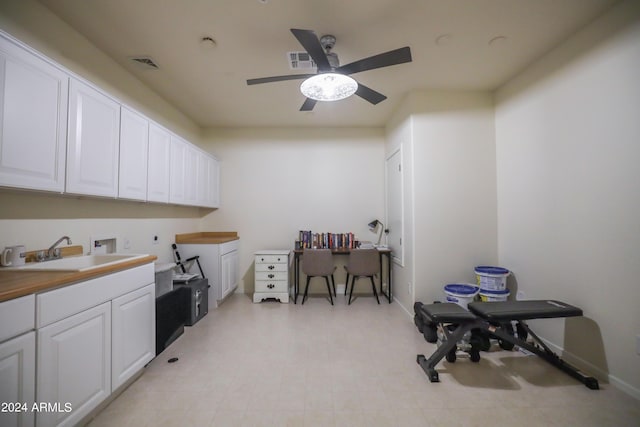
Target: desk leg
{"type": "Point", "coordinates": [389, 295]}
{"type": "Point", "coordinates": [296, 277]}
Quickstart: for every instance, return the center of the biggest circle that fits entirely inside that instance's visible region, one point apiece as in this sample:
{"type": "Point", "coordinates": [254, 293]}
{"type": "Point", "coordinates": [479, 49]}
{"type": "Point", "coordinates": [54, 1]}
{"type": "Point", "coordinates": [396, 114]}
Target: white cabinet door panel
{"type": "Point", "coordinates": [93, 143]}
{"type": "Point", "coordinates": [159, 164]}
{"type": "Point", "coordinates": [134, 326]}
{"type": "Point", "coordinates": [18, 379]}
{"type": "Point", "coordinates": [74, 365]}
{"type": "Point", "coordinates": [178, 168]}
{"type": "Point", "coordinates": [134, 147]}
{"type": "Point", "coordinates": [33, 120]}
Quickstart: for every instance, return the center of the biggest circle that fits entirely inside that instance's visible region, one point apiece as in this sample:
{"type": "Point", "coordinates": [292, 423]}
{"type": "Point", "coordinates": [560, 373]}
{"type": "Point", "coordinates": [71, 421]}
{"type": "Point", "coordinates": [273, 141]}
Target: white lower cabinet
{"type": "Point", "coordinates": [133, 318]}
{"type": "Point", "coordinates": [229, 265]}
{"type": "Point", "coordinates": [18, 380]}
{"type": "Point", "coordinates": [92, 337]}
{"type": "Point", "coordinates": [220, 264]}
{"type": "Point", "coordinates": [74, 365]}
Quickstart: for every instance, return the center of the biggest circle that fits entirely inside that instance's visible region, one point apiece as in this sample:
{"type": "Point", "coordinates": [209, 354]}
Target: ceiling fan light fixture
{"type": "Point", "coordinates": [328, 87]}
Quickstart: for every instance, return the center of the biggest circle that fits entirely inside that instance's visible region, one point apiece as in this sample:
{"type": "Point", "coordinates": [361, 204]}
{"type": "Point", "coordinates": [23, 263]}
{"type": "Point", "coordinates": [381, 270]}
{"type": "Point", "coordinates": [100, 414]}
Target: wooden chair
{"type": "Point", "coordinates": [318, 263]}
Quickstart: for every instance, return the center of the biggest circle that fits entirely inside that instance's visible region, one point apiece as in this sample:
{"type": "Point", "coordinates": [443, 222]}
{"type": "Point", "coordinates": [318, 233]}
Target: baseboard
{"type": "Point", "coordinates": [593, 370]}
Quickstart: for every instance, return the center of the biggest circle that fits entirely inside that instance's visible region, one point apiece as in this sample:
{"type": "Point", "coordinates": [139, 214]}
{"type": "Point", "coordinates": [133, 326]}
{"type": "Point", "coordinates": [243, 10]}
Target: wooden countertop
{"type": "Point", "coordinates": [207, 237]}
{"type": "Point", "coordinates": [15, 283]}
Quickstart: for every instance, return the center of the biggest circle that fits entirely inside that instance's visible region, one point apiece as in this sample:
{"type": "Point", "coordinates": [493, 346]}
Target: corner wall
{"type": "Point", "coordinates": [568, 145]}
{"type": "Point", "coordinates": [451, 201]}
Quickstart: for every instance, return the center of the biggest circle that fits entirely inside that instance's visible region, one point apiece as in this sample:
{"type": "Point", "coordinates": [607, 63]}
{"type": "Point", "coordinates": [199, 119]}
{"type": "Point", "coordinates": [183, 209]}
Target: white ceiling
{"type": "Point", "coordinates": [252, 38]}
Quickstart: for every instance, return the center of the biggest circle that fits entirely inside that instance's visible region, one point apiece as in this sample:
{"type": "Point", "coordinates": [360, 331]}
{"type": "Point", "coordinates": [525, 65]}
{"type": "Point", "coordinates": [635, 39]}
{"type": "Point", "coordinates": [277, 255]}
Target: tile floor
{"type": "Point", "coordinates": [273, 364]}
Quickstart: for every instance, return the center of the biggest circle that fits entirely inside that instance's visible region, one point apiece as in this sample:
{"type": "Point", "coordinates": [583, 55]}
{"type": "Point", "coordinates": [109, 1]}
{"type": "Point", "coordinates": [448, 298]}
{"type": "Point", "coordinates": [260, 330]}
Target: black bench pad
{"type": "Point", "coordinates": [523, 310]}
{"type": "Point", "coordinates": [446, 312]}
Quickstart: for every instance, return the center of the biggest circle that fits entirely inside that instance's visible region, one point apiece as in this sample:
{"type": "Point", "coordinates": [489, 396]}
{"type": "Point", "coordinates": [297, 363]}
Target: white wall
{"type": "Point", "coordinates": [568, 147]}
{"type": "Point", "coordinates": [276, 182]}
{"type": "Point", "coordinates": [450, 164]}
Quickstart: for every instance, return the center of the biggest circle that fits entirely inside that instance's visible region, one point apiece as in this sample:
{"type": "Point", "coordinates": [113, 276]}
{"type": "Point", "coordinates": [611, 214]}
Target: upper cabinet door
{"type": "Point", "coordinates": [178, 169]}
{"type": "Point", "coordinates": [33, 120]}
{"type": "Point", "coordinates": [159, 164]}
{"type": "Point", "coordinates": [93, 143]}
{"type": "Point", "coordinates": [134, 145]}
{"type": "Point", "coordinates": [214, 183]}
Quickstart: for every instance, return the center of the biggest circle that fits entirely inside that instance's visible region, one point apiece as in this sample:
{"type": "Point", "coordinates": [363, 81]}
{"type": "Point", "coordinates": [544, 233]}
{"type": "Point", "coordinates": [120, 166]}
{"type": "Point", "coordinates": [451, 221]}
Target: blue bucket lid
{"type": "Point", "coordinates": [491, 270]}
{"type": "Point", "coordinates": [461, 289]}
{"type": "Point", "coordinates": [494, 292]}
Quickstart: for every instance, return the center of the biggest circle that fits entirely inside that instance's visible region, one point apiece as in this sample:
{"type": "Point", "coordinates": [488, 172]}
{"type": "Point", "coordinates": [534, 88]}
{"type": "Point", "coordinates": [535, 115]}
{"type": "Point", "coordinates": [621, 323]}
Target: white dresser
{"type": "Point", "coordinates": [272, 275]}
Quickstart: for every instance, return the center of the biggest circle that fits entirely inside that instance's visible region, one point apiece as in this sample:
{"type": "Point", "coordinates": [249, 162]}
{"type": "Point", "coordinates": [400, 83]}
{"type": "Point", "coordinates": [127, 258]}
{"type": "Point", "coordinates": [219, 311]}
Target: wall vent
{"type": "Point", "coordinates": [300, 61]}
{"type": "Point", "coordinates": [145, 62]}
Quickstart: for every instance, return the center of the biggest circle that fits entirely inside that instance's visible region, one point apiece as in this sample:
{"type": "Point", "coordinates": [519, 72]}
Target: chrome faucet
{"type": "Point", "coordinates": [53, 252]}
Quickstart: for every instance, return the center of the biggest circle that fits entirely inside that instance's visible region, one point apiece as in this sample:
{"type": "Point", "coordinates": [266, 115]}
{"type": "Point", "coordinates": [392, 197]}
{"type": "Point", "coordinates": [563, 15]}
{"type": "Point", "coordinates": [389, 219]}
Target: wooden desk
{"type": "Point", "coordinates": [384, 252]}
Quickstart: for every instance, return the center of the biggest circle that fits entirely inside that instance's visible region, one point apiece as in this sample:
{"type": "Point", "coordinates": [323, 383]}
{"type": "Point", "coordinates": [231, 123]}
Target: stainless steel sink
{"type": "Point", "coordinates": [78, 263]}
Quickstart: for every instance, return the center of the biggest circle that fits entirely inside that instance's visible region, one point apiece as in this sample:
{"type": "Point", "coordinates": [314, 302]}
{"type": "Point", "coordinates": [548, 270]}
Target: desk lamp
{"type": "Point", "coordinates": [372, 227]}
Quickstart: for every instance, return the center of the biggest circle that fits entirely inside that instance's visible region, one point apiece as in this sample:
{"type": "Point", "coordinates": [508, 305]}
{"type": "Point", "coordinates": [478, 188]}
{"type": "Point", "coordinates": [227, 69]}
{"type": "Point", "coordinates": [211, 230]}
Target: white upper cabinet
{"type": "Point", "coordinates": [191, 176]}
{"type": "Point", "coordinates": [177, 173]}
{"type": "Point", "coordinates": [134, 152]}
{"type": "Point", "coordinates": [159, 164]}
{"type": "Point", "coordinates": [33, 120]}
{"type": "Point", "coordinates": [214, 183]}
{"type": "Point", "coordinates": [93, 143]}
{"type": "Point", "coordinates": [207, 181]}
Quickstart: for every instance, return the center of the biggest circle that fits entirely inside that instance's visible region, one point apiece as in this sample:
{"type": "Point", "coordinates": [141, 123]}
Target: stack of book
{"type": "Point", "coordinates": [309, 239]}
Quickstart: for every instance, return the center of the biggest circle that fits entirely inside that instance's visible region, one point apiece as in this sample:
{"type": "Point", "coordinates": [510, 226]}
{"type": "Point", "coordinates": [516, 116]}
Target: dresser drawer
{"type": "Point", "coordinates": [266, 286]}
{"type": "Point", "coordinates": [272, 275]}
{"type": "Point", "coordinates": [270, 259]}
{"type": "Point", "coordinates": [271, 267]}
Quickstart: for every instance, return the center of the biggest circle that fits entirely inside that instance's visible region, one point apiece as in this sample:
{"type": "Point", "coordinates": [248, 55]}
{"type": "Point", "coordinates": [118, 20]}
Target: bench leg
{"type": "Point", "coordinates": [450, 343]}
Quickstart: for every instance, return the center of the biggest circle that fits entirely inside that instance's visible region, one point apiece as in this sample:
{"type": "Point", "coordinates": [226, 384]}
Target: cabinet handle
{"type": "Point", "coordinates": [262, 259]}
{"type": "Point", "coordinates": [271, 276]}
{"type": "Point", "coordinates": [271, 267]}
{"type": "Point", "coordinates": [271, 286]}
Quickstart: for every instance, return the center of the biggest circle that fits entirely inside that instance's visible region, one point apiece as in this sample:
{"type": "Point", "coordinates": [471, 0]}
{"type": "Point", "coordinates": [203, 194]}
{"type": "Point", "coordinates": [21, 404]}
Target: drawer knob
{"type": "Point", "coordinates": [271, 276]}
{"type": "Point", "coordinates": [271, 267]}
{"type": "Point", "coordinates": [271, 286]}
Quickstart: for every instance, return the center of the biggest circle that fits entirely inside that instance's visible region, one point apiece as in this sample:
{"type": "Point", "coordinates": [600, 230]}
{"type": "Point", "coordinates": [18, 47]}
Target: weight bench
{"type": "Point", "coordinates": [454, 324]}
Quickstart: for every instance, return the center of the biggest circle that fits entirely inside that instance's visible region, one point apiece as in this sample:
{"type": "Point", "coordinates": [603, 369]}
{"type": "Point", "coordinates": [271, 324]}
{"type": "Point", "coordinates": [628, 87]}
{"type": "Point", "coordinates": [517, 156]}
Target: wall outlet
{"type": "Point", "coordinates": [519, 295]}
{"type": "Point", "coordinates": [409, 288]}
{"type": "Point", "coordinates": [127, 243]}
{"type": "Point", "coordinates": [155, 240]}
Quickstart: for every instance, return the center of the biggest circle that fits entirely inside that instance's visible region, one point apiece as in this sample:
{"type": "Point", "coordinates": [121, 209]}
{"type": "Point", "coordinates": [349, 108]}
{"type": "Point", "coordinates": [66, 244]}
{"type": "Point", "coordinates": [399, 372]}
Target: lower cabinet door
{"type": "Point", "coordinates": [74, 366]}
{"type": "Point", "coordinates": [18, 381]}
{"type": "Point", "coordinates": [134, 333]}
{"type": "Point", "coordinates": [228, 273]}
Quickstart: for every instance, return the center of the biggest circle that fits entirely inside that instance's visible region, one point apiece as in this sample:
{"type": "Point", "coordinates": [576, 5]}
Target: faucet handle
{"type": "Point", "coordinates": [56, 253]}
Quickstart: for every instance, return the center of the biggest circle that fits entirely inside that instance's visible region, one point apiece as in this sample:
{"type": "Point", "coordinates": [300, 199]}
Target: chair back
{"type": "Point", "coordinates": [363, 262]}
{"type": "Point", "coordinates": [317, 262]}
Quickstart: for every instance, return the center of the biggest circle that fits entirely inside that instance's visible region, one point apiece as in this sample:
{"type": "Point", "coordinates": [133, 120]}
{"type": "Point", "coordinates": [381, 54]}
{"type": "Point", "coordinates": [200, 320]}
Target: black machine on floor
{"type": "Point", "coordinates": [197, 299]}
{"type": "Point", "coordinates": [453, 326]}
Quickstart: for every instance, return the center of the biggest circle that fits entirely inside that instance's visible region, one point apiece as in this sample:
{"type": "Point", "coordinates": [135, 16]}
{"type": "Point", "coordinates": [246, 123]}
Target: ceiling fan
{"type": "Point", "coordinates": [330, 71]}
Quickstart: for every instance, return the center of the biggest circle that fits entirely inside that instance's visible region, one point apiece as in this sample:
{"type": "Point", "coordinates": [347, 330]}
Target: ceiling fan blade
{"type": "Point", "coordinates": [393, 57]}
{"type": "Point", "coordinates": [369, 94]}
{"type": "Point", "coordinates": [278, 78]}
{"type": "Point", "coordinates": [311, 44]}
{"type": "Point", "coordinates": [308, 104]}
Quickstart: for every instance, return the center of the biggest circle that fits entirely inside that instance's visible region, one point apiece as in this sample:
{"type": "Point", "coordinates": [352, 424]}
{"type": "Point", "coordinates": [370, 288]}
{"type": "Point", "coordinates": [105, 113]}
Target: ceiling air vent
{"type": "Point", "coordinates": [300, 61]}
{"type": "Point", "coordinates": [144, 62]}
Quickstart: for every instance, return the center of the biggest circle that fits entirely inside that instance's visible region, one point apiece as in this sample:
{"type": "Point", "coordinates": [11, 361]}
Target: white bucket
{"type": "Point", "coordinates": [491, 278]}
{"type": "Point", "coordinates": [461, 293]}
{"type": "Point", "coordinates": [488, 295]}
